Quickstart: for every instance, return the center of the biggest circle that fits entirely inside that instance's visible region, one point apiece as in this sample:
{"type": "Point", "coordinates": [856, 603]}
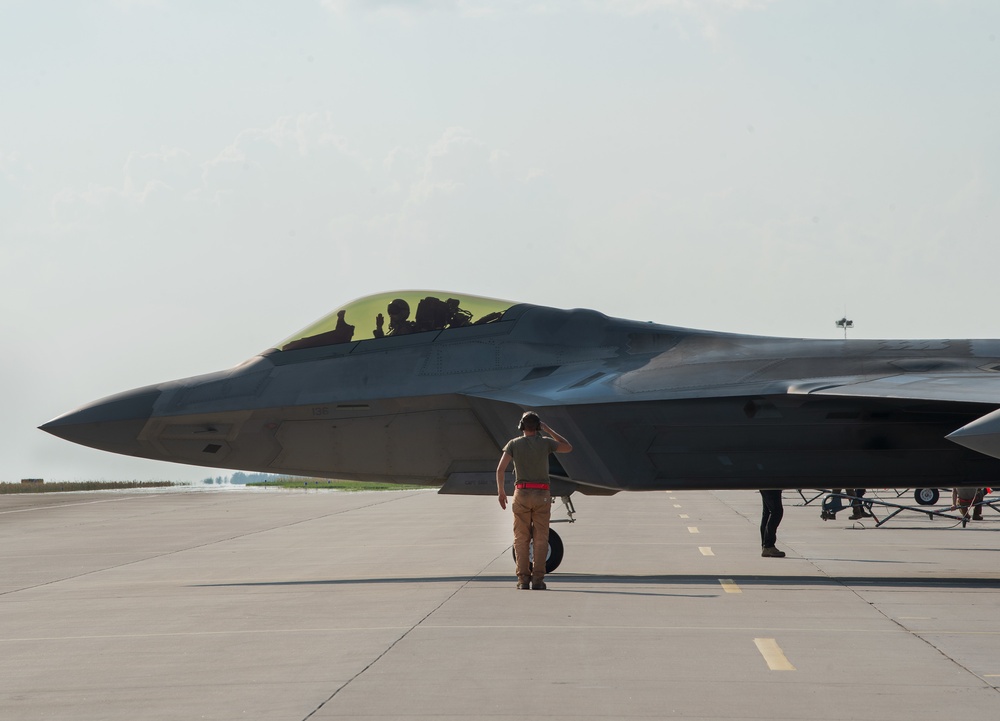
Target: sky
{"type": "Point", "coordinates": [184, 184]}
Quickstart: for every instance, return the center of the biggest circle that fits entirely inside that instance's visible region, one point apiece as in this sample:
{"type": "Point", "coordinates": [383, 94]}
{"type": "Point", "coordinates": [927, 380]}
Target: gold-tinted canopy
{"type": "Point", "coordinates": [397, 313]}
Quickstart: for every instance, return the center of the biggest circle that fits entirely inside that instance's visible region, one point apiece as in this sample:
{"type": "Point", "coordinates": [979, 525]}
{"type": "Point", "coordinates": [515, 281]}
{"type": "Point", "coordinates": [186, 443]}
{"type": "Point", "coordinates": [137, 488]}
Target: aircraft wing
{"type": "Point", "coordinates": [953, 387]}
{"type": "Point", "coordinates": [592, 385]}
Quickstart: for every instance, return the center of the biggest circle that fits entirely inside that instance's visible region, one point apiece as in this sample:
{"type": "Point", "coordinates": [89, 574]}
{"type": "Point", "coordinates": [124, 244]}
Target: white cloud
{"type": "Point", "coordinates": [638, 7]}
{"type": "Point", "coordinates": [301, 188]}
{"type": "Point", "coordinates": [146, 177]}
{"type": "Point", "coordinates": [129, 5]}
{"type": "Point", "coordinates": [708, 12]}
{"type": "Point", "coordinates": [450, 164]}
{"type": "Point", "coordinates": [14, 170]}
{"type": "Point", "coordinates": [400, 9]}
{"type": "Point", "coordinates": [308, 136]}
{"type": "Point", "coordinates": [302, 161]}
{"type": "Point", "coordinates": [171, 169]}
{"type": "Point", "coordinates": [8, 161]}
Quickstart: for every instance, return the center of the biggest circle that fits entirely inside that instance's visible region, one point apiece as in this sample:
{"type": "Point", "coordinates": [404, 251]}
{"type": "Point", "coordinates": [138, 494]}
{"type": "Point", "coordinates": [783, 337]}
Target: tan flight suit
{"type": "Point", "coordinates": [531, 506]}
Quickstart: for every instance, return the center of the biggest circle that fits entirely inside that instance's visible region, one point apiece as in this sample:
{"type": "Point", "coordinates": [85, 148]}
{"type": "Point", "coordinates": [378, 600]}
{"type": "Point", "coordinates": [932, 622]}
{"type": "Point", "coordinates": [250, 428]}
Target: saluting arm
{"type": "Point", "coordinates": [564, 445]}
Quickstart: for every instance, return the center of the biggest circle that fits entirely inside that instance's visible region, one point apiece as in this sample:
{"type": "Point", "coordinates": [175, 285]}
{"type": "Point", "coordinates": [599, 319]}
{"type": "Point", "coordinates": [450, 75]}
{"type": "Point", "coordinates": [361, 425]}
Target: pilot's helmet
{"type": "Point", "coordinates": [399, 307]}
{"type": "Point", "coordinates": [529, 421]}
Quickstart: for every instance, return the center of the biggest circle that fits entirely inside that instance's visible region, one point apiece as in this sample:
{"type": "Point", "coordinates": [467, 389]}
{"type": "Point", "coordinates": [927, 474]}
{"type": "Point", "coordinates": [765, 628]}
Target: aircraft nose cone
{"type": "Point", "coordinates": [982, 435]}
{"type": "Point", "coordinates": [110, 424]}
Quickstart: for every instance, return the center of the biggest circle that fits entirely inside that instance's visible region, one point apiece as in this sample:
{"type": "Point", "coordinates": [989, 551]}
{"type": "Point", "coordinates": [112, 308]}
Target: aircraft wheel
{"type": "Point", "coordinates": [554, 557]}
{"type": "Point", "coordinates": [926, 496]}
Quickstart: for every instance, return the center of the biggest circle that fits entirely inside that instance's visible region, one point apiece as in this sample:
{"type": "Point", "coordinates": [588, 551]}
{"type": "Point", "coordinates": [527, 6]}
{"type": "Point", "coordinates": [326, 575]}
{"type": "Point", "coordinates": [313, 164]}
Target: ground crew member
{"type": "Point", "coordinates": [532, 501]}
{"type": "Point", "coordinates": [963, 497]}
{"type": "Point", "coordinates": [857, 505]}
{"type": "Point", "coordinates": [772, 512]}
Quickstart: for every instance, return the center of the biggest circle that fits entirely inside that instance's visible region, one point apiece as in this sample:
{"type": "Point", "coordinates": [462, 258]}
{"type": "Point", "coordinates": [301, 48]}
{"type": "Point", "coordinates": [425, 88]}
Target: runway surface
{"type": "Point", "coordinates": [293, 605]}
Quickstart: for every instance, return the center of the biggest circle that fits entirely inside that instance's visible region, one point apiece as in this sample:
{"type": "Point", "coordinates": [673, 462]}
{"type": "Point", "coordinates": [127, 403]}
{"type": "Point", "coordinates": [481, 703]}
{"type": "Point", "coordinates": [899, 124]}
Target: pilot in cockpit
{"type": "Point", "coordinates": [399, 323]}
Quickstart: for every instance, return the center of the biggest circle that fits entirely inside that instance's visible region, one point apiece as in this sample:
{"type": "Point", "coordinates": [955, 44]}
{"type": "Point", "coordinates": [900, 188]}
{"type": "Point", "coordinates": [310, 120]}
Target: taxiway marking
{"type": "Point", "coordinates": [730, 586]}
{"type": "Point", "coordinates": [773, 654]}
{"type": "Point", "coordinates": [706, 550]}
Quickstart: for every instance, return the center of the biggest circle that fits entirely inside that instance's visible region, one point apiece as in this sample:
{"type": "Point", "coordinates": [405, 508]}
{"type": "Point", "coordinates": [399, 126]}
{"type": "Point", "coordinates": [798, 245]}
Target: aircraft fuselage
{"type": "Point", "coordinates": [646, 407]}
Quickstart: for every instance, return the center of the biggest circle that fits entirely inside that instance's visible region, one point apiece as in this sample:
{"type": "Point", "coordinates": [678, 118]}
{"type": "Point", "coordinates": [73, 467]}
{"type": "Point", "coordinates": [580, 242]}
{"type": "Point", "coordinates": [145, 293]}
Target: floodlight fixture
{"type": "Point", "coordinates": [845, 324]}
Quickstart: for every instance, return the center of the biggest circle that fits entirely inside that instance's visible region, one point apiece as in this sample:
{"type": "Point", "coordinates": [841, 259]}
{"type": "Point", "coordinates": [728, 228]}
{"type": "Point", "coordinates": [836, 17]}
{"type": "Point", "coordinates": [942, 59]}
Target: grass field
{"type": "Point", "coordinates": [62, 487]}
{"type": "Point", "coordinates": [334, 485]}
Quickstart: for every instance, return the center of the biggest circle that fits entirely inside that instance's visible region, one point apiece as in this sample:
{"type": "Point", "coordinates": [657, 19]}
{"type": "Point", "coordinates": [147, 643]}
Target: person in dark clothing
{"type": "Point", "coordinates": [769, 521]}
{"type": "Point", "coordinates": [857, 505]}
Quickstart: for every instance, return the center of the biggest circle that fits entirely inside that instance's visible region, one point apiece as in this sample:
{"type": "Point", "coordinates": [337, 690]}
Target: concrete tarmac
{"type": "Point", "coordinates": [294, 605]}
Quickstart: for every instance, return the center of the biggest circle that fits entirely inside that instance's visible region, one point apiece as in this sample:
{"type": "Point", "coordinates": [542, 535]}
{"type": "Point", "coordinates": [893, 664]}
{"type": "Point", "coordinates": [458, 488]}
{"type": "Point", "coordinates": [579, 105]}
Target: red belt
{"type": "Point", "coordinates": [543, 486]}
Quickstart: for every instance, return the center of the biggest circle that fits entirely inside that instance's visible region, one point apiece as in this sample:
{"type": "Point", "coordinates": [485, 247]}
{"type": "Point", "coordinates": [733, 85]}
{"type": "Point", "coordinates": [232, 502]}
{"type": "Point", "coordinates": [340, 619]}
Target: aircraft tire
{"type": "Point", "coordinates": [555, 552]}
{"type": "Point", "coordinates": [926, 496]}
{"type": "Point", "coordinates": [555, 556]}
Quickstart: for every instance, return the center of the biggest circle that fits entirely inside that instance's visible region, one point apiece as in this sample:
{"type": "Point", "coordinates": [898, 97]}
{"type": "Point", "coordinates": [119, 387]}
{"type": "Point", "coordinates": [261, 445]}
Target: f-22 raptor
{"type": "Point", "coordinates": [424, 387]}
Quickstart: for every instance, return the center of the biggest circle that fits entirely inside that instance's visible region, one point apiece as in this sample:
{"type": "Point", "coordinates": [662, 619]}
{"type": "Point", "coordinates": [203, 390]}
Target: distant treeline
{"type": "Point", "coordinates": [298, 482]}
{"type": "Point", "coordinates": [60, 486]}
{"type": "Point", "coordinates": [240, 478]}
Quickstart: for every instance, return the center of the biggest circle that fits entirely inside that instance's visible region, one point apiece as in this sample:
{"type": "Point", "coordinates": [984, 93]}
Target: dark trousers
{"type": "Point", "coordinates": [770, 517]}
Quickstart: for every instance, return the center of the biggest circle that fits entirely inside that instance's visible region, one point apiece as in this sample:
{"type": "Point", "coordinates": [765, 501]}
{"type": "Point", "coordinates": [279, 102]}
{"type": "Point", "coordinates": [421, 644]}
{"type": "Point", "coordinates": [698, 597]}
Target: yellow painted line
{"type": "Point", "coordinates": [677, 505]}
{"type": "Point", "coordinates": [684, 515]}
{"type": "Point", "coordinates": [773, 654]}
{"type": "Point", "coordinates": [706, 550]}
{"type": "Point", "coordinates": [692, 529]}
{"type": "Point", "coordinates": [991, 675]}
{"type": "Point", "coordinates": [730, 586]}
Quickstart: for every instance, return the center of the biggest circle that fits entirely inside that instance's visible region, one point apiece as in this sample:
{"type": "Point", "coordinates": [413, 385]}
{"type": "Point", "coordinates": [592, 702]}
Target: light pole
{"type": "Point", "coordinates": [845, 324]}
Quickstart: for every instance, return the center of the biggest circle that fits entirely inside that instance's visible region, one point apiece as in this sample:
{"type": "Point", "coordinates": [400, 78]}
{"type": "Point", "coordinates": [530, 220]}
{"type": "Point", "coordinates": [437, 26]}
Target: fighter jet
{"type": "Point", "coordinates": [426, 387]}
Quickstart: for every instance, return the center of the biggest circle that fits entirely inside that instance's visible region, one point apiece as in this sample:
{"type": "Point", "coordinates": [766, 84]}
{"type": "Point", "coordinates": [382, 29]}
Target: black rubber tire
{"type": "Point", "coordinates": [555, 552]}
{"type": "Point", "coordinates": [555, 556]}
{"type": "Point", "coordinates": [926, 496]}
